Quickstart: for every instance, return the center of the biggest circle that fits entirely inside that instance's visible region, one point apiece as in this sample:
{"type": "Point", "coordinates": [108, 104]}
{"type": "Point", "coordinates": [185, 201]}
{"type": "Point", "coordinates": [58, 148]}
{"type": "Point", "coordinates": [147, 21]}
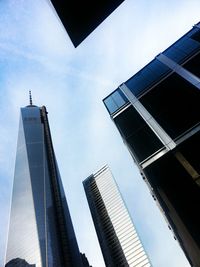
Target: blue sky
{"type": "Point", "coordinates": [36, 54]}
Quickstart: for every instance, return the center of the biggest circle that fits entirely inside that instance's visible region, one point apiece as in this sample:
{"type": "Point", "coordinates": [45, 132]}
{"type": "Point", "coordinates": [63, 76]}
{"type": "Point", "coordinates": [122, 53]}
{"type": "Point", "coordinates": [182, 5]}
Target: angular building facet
{"type": "Point", "coordinates": [157, 112]}
{"type": "Point", "coordinates": [80, 18]}
{"type": "Point", "coordinates": [85, 261]}
{"type": "Point", "coordinates": [116, 233]}
{"type": "Point", "coordinates": [40, 233]}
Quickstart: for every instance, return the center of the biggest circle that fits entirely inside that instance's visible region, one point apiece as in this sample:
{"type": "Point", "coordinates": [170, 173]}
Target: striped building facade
{"type": "Point", "coordinates": [117, 235]}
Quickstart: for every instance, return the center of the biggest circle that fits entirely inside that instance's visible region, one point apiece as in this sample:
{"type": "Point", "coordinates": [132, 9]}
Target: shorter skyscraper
{"type": "Point", "coordinates": [116, 233]}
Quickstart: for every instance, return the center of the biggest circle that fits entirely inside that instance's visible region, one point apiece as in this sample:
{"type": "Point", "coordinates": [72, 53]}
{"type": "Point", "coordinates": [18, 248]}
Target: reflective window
{"type": "Point", "coordinates": [119, 98]}
{"type": "Point", "coordinates": [146, 77]}
{"type": "Point", "coordinates": [110, 104]}
{"type": "Point", "coordinates": [184, 47]}
{"type": "Point", "coordinates": [115, 101]}
{"type": "Point", "coordinates": [175, 54]}
{"type": "Point", "coordinates": [188, 45]}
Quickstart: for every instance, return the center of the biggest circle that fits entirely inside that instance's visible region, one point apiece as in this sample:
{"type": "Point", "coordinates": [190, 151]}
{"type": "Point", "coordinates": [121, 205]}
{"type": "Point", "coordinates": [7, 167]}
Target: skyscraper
{"type": "Point", "coordinates": [40, 233]}
{"type": "Point", "coordinates": [158, 116]}
{"type": "Point", "coordinates": [116, 233]}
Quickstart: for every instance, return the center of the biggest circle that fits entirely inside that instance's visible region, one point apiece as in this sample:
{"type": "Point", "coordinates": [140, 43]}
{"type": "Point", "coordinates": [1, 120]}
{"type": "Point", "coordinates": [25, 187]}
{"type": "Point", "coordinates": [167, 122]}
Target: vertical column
{"type": "Point", "coordinates": [152, 123]}
{"type": "Point", "coordinates": [187, 75]}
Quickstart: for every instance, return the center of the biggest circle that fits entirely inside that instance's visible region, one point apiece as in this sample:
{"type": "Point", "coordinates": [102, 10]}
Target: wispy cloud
{"type": "Point", "coordinates": [36, 54]}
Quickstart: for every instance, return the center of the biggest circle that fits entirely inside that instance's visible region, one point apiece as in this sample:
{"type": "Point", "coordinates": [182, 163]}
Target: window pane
{"type": "Point", "coordinates": [148, 76]}
{"type": "Point", "coordinates": [174, 103]}
{"type": "Point", "coordinates": [196, 35]}
{"type": "Point", "coordinates": [139, 137]}
{"type": "Point", "coordinates": [188, 45]}
{"type": "Point", "coordinates": [118, 99]}
{"type": "Point", "coordinates": [115, 101]}
{"type": "Point", "coordinates": [110, 104]}
{"type": "Point", "coordinates": [176, 54]}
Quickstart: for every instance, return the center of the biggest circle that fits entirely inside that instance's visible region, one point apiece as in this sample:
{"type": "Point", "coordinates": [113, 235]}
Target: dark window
{"type": "Point", "coordinates": [140, 138]}
{"type": "Point", "coordinates": [174, 103]}
{"type": "Point", "coordinates": [144, 142]}
{"type": "Point", "coordinates": [196, 36]}
{"type": "Point", "coordinates": [194, 65]}
{"type": "Point", "coordinates": [169, 175]}
{"type": "Point", "coordinates": [191, 150]}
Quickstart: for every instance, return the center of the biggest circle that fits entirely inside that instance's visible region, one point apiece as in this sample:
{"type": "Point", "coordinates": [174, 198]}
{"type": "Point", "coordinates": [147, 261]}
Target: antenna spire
{"type": "Point", "coordinates": [30, 98]}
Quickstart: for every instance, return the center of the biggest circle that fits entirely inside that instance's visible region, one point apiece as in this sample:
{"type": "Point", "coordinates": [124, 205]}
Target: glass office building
{"type": "Point", "coordinates": [40, 231]}
{"type": "Point", "coordinates": [116, 233]}
{"type": "Point", "coordinates": [157, 112]}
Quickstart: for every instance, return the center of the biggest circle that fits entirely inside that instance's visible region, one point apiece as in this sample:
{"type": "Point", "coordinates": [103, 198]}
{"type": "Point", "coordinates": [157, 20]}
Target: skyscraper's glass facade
{"type": "Point", "coordinates": [160, 123]}
{"type": "Point", "coordinates": [40, 231]}
{"type": "Point", "coordinates": [117, 236]}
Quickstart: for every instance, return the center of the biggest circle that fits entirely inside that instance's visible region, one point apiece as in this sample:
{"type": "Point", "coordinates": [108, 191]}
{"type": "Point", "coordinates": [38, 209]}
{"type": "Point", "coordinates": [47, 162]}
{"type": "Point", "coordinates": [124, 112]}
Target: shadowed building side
{"type": "Point", "coordinates": [85, 261]}
{"type": "Point", "coordinates": [157, 114]}
{"type": "Point", "coordinates": [80, 18]}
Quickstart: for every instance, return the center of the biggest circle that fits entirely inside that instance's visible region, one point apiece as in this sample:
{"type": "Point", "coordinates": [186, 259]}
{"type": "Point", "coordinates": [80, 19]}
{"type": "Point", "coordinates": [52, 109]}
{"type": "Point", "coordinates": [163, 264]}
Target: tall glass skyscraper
{"type": "Point", "coordinates": [157, 114]}
{"type": "Point", "coordinates": [40, 233]}
{"type": "Point", "coordinates": [116, 233]}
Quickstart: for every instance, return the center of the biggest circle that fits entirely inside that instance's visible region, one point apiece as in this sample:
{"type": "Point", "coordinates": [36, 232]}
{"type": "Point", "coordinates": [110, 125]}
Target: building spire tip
{"type": "Point", "coordinates": [30, 98]}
